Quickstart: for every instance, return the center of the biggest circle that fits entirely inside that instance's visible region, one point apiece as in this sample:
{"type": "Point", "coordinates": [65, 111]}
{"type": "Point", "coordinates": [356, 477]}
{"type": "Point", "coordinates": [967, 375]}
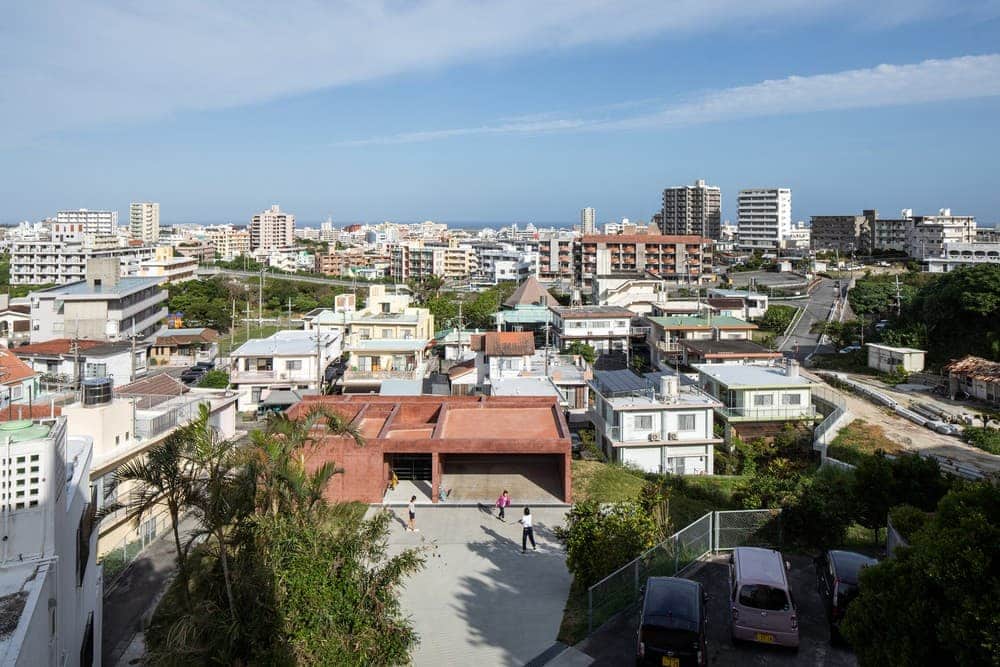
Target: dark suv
{"type": "Point", "coordinates": [837, 580]}
{"type": "Point", "coordinates": [672, 623]}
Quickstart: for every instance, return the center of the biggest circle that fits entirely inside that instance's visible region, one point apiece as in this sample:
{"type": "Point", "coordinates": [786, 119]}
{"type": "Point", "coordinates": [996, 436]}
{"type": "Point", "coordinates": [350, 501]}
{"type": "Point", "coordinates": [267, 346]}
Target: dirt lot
{"type": "Point", "coordinates": [614, 644]}
{"type": "Point", "coordinates": [917, 438]}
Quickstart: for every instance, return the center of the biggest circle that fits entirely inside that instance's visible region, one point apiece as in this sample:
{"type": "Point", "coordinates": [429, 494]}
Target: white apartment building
{"type": "Point", "coordinates": [605, 328]}
{"type": "Point", "coordinates": [272, 228]}
{"type": "Point", "coordinates": [655, 422]}
{"type": "Point", "coordinates": [764, 217]}
{"type": "Point", "coordinates": [692, 209]}
{"type": "Point", "coordinates": [144, 221]}
{"type": "Point", "coordinates": [99, 223]}
{"type": "Point", "coordinates": [955, 255]}
{"type": "Point", "coordinates": [65, 362]}
{"type": "Point", "coordinates": [286, 360]}
{"type": "Point", "coordinates": [588, 220]}
{"type": "Point", "coordinates": [418, 260]}
{"type": "Point", "coordinates": [752, 393]}
{"type": "Point", "coordinates": [103, 307]}
{"type": "Point", "coordinates": [51, 595]}
{"type": "Point", "coordinates": [799, 237]}
{"type": "Point", "coordinates": [56, 262]}
{"type": "Point", "coordinates": [229, 242]}
{"type": "Point", "coordinates": [929, 234]}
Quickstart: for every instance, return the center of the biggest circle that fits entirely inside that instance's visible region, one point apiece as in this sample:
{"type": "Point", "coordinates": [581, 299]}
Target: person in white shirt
{"type": "Point", "coordinates": [412, 507]}
{"type": "Point", "coordinates": [527, 533]}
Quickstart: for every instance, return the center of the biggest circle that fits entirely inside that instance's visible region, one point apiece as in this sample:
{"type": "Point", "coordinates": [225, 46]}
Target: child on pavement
{"type": "Point", "coordinates": [412, 527]}
{"type": "Point", "coordinates": [503, 502]}
{"type": "Point", "coordinates": [528, 533]}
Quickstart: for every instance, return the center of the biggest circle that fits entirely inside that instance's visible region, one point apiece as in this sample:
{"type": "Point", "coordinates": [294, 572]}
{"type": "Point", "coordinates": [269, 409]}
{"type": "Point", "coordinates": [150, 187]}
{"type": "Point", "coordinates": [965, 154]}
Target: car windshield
{"type": "Point", "coordinates": [763, 597]}
{"type": "Point", "coordinates": [845, 593]}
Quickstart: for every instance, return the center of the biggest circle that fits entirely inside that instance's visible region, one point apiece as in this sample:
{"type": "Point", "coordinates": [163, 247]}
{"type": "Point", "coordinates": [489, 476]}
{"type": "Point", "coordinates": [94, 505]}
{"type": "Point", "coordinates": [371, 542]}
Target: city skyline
{"type": "Point", "coordinates": [457, 112]}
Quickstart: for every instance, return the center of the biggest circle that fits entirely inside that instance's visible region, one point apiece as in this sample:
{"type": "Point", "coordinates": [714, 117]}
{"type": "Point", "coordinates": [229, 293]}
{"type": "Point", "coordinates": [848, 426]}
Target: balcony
{"type": "Point", "coordinates": [363, 376]}
{"type": "Point", "coordinates": [667, 346]}
{"type": "Point", "coordinates": [761, 414]}
{"type": "Point", "coordinates": [253, 375]}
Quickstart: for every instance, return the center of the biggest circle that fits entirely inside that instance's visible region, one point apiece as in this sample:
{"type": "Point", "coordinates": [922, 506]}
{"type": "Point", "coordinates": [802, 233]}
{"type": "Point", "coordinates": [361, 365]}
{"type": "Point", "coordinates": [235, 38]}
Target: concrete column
{"type": "Point", "coordinates": [435, 475]}
{"type": "Point", "coordinates": [567, 467]}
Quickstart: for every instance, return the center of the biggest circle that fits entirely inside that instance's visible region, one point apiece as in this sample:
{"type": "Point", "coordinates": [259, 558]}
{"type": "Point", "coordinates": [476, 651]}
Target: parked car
{"type": "Point", "coordinates": [837, 581]}
{"type": "Point", "coordinates": [205, 365]}
{"type": "Point", "coordinates": [672, 623]}
{"type": "Point", "coordinates": [850, 348]}
{"type": "Point", "coordinates": [576, 442]}
{"type": "Point", "coordinates": [193, 375]}
{"type": "Point", "coordinates": [761, 604]}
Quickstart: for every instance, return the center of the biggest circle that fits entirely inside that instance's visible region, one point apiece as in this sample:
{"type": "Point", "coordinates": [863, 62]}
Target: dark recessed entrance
{"type": "Point", "coordinates": [411, 467]}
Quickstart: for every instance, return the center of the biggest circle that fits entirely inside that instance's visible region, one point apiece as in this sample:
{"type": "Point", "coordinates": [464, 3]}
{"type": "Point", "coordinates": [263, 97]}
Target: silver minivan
{"type": "Point", "coordinates": [760, 598]}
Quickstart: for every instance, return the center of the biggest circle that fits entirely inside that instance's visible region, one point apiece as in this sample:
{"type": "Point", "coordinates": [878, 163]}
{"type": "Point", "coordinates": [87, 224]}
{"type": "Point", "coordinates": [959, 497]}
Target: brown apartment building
{"type": "Point", "coordinates": [473, 445]}
{"type": "Point", "coordinates": [682, 259]}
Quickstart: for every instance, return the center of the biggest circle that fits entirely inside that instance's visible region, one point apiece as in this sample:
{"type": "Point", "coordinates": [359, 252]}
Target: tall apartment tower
{"type": "Point", "coordinates": [764, 217]}
{"type": "Point", "coordinates": [588, 221]}
{"type": "Point", "coordinates": [272, 228]}
{"type": "Point", "coordinates": [85, 221]}
{"type": "Point", "coordinates": [692, 209]}
{"type": "Point", "coordinates": [144, 221]}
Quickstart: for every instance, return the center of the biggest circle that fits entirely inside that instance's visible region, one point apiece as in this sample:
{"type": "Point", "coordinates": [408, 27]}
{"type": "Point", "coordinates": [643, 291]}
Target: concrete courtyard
{"type": "Point", "coordinates": [479, 600]}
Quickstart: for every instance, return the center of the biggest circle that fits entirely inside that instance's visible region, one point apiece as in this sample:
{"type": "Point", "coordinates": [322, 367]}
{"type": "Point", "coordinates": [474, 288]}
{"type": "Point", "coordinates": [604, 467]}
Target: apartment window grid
{"type": "Point", "coordinates": [643, 422]}
{"type": "Point", "coordinates": [21, 482]}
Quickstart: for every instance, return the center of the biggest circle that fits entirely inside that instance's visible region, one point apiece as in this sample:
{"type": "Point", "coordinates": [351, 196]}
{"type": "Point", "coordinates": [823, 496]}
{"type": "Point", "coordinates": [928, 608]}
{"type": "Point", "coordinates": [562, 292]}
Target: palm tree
{"type": "Point", "coordinates": [163, 475]}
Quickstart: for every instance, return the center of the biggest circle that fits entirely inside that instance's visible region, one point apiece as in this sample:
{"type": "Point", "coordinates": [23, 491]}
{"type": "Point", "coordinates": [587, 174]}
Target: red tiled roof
{"type": "Point", "coordinates": [12, 369]}
{"type": "Point", "coordinates": [504, 343]}
{"type": "Point", "coordinates": [206, 336]}
{"type": "Point", "coordinates": [54, 346]}
{"type": "Point", "coordinates": [23, 411]}
{"type": "Point", "coordinates": [726, 302]}
{"type": "Point", "coordinates": [461, 368]}
{"type": "Point", "coordinates": [153, 390]}
{"type": "Point", "coordinates": [976, 368]}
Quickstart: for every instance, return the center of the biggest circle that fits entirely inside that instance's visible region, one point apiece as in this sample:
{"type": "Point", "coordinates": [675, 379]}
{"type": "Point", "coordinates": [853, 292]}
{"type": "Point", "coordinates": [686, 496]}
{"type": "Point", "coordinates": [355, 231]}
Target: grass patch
{"type": "Point", "coordinates": [852, 362]}
{"type": "Point", "coordinates": [240, 336]}
{"type": "Point", "coordinates": [605, 483]}
{"type": "Point", "coordinates": [982, 438]}
{"type": "Point", "coordinates": [573, 628]}
{"type": "Point", "coordinates": [860, 439]}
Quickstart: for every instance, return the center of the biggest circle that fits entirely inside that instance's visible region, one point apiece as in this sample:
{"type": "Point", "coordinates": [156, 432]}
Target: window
{"type": "Point", "coordinates": [685, 422]}
{"type": "Point", "coordinates": [293, 365]}
{"type": "Point", "coordinates": [675, 465]}
{"type": "Point", "coordinates": [767, 598]}
{"type": "Point", "coordinates": [255, 394]}
{"type": "Point", "coordinates": [791, 399]}
{"type": "Point", "coordinates": [643, 422]}
{"type": "Point", "coordinates": [386, 333]}
{"type": "Point", "coordinates": [93, 370]}
{"type": "Point", "coordinates": [763, 400]}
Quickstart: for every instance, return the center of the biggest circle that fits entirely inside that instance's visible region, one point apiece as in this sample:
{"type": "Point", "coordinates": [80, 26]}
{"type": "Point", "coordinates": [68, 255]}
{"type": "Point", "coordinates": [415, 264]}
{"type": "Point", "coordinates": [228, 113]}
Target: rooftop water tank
{"type": "Point", "coordinates": [97, 391]}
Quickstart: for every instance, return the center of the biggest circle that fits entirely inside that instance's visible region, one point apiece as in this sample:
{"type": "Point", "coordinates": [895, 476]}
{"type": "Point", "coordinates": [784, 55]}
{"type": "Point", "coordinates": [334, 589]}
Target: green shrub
{"type": "Point", "coordinates": [985, 439]}
{"type": "Point", "coordinates": [907, 520]}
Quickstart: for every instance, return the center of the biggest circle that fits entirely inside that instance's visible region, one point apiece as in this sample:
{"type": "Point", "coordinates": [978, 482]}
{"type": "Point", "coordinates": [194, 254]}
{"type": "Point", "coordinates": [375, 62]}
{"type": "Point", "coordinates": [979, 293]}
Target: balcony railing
{"type": "Point", "coordinates": [354, 374]}
{"type": "Point", "coordinates": [781, 413]}
{"type": "Point", "coordinates": [665, 346]}
{"type": "Point", "coordinates": [252, 375]}
{"type": "Point", "coordinates": [639, 331]}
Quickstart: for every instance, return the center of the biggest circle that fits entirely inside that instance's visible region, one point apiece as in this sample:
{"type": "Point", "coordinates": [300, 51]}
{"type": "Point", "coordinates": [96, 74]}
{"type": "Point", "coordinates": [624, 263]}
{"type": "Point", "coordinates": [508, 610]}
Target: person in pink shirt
{"type": "Point", "coordinates": [503, 502]}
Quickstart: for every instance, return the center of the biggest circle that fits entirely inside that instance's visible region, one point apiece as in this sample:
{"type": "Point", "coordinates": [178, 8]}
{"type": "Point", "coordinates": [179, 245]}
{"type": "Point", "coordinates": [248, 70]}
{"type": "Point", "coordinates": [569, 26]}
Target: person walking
{"type": "Point", "coordinates": [527, 532]}
{"type": "Point", "coordinates": [503, 502]}
{"type": "Point", "coordinates": [412, 507]}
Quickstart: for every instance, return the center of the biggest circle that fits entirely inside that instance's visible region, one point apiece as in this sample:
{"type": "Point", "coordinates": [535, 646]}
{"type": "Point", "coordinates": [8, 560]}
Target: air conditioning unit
{"type": "Point", "coordinates": [654, 437]}
{"type": "Point", "coordinates": [671, 436]}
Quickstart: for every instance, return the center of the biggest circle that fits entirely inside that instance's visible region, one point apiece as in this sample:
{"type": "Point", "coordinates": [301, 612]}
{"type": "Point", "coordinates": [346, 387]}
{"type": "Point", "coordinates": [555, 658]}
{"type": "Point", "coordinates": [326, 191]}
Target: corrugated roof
{"type": "Point", "coordinates": [54, 347]}
{"type": "Point", "coordinates": [530, 293]}
{"type": "Point", "coordinates": [504, 343]}
{"type": "Point", "coordinates": [159, 385]}
{"type": "Point", "coordinates": [621, 381]}
{"type": "Point", "coordinates": [187, 336]}
{"type": "Point", "coordinates": [976, 368]}
{"type": "Point", "coordinates": [698, 322]}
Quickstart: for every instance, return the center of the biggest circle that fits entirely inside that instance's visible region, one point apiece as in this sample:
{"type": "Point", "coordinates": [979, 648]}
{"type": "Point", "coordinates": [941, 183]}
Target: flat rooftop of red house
{"type": "Point", "coordinates": [445, 417]}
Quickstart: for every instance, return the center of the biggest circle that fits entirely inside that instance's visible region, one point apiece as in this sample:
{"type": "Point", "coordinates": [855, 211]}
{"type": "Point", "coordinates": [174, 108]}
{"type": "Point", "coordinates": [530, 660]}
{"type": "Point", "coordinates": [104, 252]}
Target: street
{"type": "Point", "coordinates": [800, 343]}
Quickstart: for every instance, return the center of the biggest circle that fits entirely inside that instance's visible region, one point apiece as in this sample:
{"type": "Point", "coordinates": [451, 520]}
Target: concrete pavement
{"type": "Point", "coordinates": [479, 600]}
{"type": "Point", "coordinates": [800, 343]}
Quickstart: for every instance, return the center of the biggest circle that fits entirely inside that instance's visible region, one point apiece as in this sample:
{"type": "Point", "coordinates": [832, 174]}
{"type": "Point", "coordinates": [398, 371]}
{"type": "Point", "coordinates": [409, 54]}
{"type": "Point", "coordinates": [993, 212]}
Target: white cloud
{"type": "Point", "coordinates": [961, 78]}
{"type": "Point", "coordinates": [72, 64]}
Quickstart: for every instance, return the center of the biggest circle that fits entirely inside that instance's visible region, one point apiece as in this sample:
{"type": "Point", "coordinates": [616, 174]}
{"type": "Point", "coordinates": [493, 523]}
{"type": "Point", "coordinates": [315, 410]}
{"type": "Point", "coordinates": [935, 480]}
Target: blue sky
{"type": "Point", "coordinates": [474, 111]}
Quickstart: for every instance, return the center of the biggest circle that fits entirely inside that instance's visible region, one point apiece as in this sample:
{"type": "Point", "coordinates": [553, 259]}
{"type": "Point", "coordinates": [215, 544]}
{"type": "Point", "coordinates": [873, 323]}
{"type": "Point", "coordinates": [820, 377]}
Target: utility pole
{"type": "Point", "coordinates": [232, 327]}
{"type": "Point", "coordinates": [289, 312]}
{"type": "Point", "coordinates": [899, 300]}
{"type": "Point", "coordinates": [132, 376]}
{"type": "Point", "coordinates": [319, 363]}
{"type": "Point", "coordinates": [248, 319]}
{"type": "Point", "coordinates": [260, 303]}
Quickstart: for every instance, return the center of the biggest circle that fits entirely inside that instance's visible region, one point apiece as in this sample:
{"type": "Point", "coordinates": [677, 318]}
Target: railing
{"type": "Point", "coordinates": [355, 374]}
{"type": "Point", "coordinates": [252, 375]}
{"type": "Point", "coordinates": [715, 531]}
{"type": "Point", "coordinates": [664, 346]}
{"type": "Point", "coordinates": [639, 331]}
{"type": "Point", "coordinates": [769, 414]}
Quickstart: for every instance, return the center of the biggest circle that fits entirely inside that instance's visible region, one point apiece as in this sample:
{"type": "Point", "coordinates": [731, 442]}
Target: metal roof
{"type": "Point", "coordinates": [282, 343]}
{"type": "Point", "coordinates": [743, 375]}
{"type": "Point", "coordinates": [621, 381]}
{"type": "Point", "coordinates": [81, 289]}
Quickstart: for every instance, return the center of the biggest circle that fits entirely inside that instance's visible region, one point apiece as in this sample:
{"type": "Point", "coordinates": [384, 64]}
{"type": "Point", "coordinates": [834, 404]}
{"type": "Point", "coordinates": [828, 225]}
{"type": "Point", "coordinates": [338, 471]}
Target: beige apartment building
{"type": "Point", "coordinates": [272, 228]}
{"type": "Point", "coordinates": [691, 209]}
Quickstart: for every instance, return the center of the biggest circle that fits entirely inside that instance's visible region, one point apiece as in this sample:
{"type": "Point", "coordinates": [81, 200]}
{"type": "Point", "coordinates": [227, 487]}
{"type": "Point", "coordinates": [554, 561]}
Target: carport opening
{"type": "Point", "coordinates": [529, 478]}
{"type": "Point", "coordinates": [413, 475]}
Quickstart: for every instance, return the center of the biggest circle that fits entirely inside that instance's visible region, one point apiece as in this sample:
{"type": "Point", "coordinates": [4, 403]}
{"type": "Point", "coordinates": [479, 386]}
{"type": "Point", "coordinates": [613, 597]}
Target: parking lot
{"type": "Point", "coordinates": [614, 644]}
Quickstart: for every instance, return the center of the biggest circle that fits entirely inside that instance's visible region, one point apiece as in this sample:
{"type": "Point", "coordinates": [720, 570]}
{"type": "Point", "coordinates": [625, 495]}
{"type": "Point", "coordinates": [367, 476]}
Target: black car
{"type": "Point", "coordinates": [192, 375]}
{"type": "Point", "coordinates": [205, 365]}
{"type": "Point", "coordinates": [837, 580]}
{"type": "Point", "coordinates": [672, 623]}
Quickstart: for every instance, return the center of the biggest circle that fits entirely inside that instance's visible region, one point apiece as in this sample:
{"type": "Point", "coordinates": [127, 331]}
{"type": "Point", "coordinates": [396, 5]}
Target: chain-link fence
{"type": "Point", "coordinates": [747, 528]}
{"type": "Point", "coordinates": [621, 588]}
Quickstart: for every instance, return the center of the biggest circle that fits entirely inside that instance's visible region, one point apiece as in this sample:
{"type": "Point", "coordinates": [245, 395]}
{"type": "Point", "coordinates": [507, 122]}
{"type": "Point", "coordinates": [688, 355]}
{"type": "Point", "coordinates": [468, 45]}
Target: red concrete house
{"type": "Point", "coordinates": [435, 436]}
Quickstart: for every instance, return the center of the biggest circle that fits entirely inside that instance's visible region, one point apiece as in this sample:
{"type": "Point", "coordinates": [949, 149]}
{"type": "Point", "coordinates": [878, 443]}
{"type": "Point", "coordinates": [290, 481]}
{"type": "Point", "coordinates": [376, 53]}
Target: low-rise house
{"type": "Point", "coordinates": [184, 347]}
{"type": "Point", "coordinates": [656, 422]}
{"type": "Point", "coordinates": [976, 377]}
{"type": "Point", "coordinates": [753, 397]}
{"type": "Point", "coordinates": [455, 344]}
{"type": "Point", "coordinates": [889, 359]}
{"type": "Point", "coordinates": [285, 360]}
{"type": "Point", "coordinates": [51, 589]}
{"type": "Point", "coordinates": [124, 423]}
{"type": "Point", "coordinates": [726, 352]}
{"type": "Point", "coordinates": [18, 381]}
{"type": "Point", "coordinates": [607, 329]}
{"type": "Point", "coordinates": [462, 377]}
{"type": "Point", "coordinates": [169, 268]}
{"type": "Point", "coordinates": [502, 354]}
{"type": "Point", "coordinates": [755, 304]}
{"type": "Point", "coordinates": [15, 322]}
{"type": "Point", "coordinates": [668, 333]}
{"type": "Point", "coordinates": [65, 362]}
{"type": "Point", "coordinates": [527, 308]}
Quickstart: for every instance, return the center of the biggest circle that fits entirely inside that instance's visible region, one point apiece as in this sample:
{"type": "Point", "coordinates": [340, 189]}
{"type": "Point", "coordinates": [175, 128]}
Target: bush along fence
{"type": "Point", "coordinates": [715, 531]}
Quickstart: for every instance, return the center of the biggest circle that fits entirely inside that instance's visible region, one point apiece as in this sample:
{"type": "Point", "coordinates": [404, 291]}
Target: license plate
{"type": "Point", "coordinates": [765, 637]}
{"type": "Point", "coordinates": [671, 662]}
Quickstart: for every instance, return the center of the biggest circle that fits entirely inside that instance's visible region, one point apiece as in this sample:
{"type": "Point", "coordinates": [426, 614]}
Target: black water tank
{"type": "Point", "coordinates": [97, 391]}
